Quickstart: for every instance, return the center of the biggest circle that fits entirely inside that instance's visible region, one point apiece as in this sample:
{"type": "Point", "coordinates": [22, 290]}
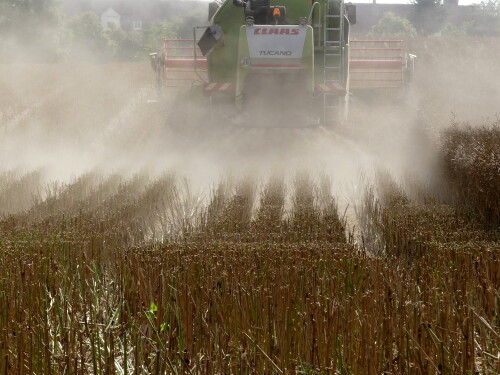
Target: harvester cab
{"type": "Point", "coordinates": [285, 64]}
{"type": "Point", "coordinates": [275, 56]}
{"type": "Point", "coordinates": [261, 11]}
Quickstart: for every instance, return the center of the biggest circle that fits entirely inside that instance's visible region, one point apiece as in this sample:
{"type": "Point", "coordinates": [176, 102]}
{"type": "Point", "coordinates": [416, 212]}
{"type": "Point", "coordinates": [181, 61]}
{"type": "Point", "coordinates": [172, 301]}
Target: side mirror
{"type": "Point", "coordinates": [211, 37]}
{"type": "Point", "coordinates": [351, 13]}
{"type": "Point", "coordinates": [213, 7]}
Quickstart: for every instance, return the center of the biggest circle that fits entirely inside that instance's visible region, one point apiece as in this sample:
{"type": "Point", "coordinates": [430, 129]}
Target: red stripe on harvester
{"type": "Point", "coordinates": [178, 79]}
{"type": "Point", "coordinates": [375, 49]}
{"type": "Point", "coordinates": [187, 71]}
{"type": "Point", "coordinates": [218, 86]}
{"type": "Point", "coordinates": [178, 57]}
{"type": "Point", "coordinates": [375, 64]}
{"type": "Point", "coordinates": [331, 88]}
{"type": "Point", "coordinates": [186, 63]}
{"type": "Point", "coordinates": [179, 47]}
{"type": "Point", "coordinates": [178, 40]}
{"type": "Point", "coordinates": [274, 66]}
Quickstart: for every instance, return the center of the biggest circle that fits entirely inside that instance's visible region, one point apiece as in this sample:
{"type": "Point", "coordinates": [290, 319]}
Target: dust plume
{"type": "Point", "coordinates": [67, 119]}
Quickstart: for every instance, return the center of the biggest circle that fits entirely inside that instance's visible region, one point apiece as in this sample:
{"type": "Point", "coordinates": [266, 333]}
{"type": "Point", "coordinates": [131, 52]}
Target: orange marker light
{"type": "Point", "coordinates": [276, 13]}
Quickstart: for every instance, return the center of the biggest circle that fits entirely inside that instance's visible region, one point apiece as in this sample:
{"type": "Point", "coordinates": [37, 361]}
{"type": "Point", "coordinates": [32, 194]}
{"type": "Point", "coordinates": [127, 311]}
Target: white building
{"type": "Point", "coordinates": [110, 17]}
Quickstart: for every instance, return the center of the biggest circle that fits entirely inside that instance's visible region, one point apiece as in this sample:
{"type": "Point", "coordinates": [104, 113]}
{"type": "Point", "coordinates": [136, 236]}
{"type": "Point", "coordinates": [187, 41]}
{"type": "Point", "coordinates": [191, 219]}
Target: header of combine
{"type": "Point", "coordinates": [295, 53]}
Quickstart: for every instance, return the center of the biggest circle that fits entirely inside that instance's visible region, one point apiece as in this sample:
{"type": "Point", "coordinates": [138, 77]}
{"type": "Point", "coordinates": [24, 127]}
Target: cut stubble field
{"type": "Point", "coordinates": [128, 246]}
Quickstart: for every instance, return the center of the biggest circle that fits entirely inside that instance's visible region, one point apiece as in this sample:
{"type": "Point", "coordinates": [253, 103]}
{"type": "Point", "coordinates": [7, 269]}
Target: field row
{"type": "Point", "coordinates": [141, 275]}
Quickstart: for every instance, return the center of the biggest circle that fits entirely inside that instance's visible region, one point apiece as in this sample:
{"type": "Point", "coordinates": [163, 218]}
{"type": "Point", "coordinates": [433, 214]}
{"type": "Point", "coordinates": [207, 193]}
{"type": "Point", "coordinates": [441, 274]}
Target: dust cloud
{"type": "Point", "coordinates": [67, 119]}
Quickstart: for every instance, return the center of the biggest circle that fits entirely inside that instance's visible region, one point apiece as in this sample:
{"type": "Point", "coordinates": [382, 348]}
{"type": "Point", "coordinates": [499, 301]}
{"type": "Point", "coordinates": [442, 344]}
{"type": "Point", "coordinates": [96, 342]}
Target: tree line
{"type": "Point", "coordinates": [429, 17]}
{"type": "Point", "coordinates": [38, 30]}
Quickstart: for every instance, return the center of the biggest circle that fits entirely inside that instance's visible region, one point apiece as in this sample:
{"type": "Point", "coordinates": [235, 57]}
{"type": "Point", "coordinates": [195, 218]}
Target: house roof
{"type": "Point", "coordinates": [110, 13]}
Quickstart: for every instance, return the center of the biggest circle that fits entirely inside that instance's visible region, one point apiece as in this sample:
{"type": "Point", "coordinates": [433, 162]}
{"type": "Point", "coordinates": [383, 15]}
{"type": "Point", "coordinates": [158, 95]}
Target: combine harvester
{"type": "Point", "coordinates": [289, 64]}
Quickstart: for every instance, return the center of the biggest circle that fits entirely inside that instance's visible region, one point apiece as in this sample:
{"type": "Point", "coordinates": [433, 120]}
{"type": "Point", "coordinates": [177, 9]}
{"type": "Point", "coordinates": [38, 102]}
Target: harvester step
{"type": "Point", "coordinates": [334, 42]}
{"type": "Point", "coordinates": [332, 54]}
{"type": "Point", "coordinates": [332, 67]}
{"type": "Point", "coordinates": [333, 15]}
{"type": "Point", "coordinates": [332, 28]}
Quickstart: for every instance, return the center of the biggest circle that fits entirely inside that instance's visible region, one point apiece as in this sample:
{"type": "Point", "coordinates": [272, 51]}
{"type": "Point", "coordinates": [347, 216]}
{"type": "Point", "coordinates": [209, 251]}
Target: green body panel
{"type": "Point", "coordinates": [224, 59]}
{"type": "Point", "coordinates": [306, 62]}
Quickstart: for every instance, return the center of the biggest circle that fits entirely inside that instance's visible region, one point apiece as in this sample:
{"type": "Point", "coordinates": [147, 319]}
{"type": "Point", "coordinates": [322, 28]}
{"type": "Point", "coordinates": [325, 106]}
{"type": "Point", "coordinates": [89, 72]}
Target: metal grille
{"type": "Point", "coordinates": [375, 64]}
{"type": "Point", "coordinates": [184, 63]}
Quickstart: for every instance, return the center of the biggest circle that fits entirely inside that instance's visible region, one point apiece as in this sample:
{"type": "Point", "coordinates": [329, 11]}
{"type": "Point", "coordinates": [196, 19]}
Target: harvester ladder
{"type": "Point", "coordinates": [333, 59]}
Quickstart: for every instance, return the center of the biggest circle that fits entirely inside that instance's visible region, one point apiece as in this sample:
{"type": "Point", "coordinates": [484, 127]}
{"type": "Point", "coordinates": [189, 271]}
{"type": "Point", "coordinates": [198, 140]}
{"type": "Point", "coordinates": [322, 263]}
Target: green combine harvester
{"type": "Point", "coordinates": [280, 63]}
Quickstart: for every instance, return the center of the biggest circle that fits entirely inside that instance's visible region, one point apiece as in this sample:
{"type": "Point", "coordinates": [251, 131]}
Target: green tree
{"type": "Point", "coordinates": [428, 16]}
{"type": "Point", "coordinates": [392, 25]}
{"type": "Point", "coordinates": [185, 21]}
{"type": "Point", "coordinates": [87, 39]}
{"type": "Point", "coordinates": [123, 46]}
{"type": "Point", "coordinates": [152, 39]}
{"type": "Point", "coordinates": [451, 30]}
{"type": "Point", "coordinates": [30, 29]}
{"type": "Point", "coordinates": [15, 14]}
{"type": "Point", "coordinates": [486, 20]}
